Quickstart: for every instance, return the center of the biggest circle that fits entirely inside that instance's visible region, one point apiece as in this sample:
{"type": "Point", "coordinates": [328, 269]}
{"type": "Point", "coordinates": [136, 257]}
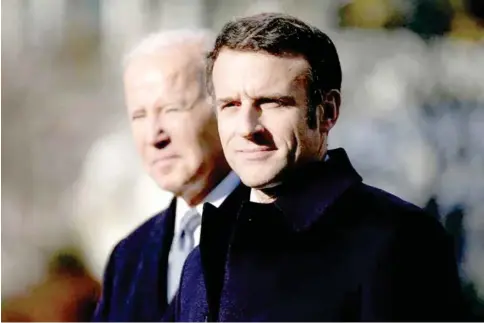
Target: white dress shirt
{"type": "Point", "coordinates": [215, 197]}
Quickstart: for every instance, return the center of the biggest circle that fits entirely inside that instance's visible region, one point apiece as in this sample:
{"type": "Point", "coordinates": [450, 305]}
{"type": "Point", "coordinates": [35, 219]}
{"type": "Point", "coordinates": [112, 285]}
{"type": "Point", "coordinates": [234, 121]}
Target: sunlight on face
{"type": "Point", "coordinates": [173, 125]}
{"type": "Point", "coordinates": [261, 102]}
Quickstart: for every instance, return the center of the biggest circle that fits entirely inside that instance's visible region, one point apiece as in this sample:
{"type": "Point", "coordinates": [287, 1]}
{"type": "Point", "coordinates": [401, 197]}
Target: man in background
{"type": "Point", "coordinates": [174, 129]}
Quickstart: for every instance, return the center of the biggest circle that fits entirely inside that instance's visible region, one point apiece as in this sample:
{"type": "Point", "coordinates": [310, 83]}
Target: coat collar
{"type": "Point", "coordinates": [307, 194]}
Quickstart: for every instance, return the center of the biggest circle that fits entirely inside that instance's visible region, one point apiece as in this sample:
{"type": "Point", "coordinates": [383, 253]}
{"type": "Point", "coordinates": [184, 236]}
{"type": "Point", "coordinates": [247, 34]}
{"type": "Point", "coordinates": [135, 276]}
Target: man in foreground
{"type": "Point", "coordinates": [174, 129]}
{"type": "Point", "coordinates": [310, 242]}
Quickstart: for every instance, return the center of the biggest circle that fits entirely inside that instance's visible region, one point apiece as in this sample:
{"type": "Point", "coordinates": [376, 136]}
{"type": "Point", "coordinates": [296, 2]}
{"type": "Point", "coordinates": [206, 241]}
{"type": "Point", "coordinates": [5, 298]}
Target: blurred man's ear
{"type": "Point", "coordinates": [329, 110]}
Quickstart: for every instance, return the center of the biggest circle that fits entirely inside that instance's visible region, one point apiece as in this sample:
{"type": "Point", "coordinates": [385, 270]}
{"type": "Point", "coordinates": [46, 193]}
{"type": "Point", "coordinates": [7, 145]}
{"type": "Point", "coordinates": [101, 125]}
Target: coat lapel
{"type": "Point", "coordinates": [152, 269]}
{"type": "Point", "coordinates": [215, 237]}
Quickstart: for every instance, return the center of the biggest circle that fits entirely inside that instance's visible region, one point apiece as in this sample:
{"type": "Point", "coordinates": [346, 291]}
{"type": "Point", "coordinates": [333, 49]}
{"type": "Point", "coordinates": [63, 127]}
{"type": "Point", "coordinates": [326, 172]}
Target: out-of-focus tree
{"type": "Point", "coordinates": [459, 19]}
{"type": "Point", "coordinates": [429, 18]}
{"type": "Point", "coordinates": [368, 14]}
{"type": "Point", "coordinates": [467, 21]}
{"type": "Point", "coordinates": [476, 9]}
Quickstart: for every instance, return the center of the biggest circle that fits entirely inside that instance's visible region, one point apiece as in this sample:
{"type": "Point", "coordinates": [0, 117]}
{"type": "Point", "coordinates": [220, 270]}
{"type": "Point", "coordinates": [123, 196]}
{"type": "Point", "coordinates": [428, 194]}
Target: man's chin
{"type": "Point", "coordinates": [260, 177]}
{"type": "Point", "coordinates": [168, 184]}
{"type": "Point", "coordinates": [259, 183]}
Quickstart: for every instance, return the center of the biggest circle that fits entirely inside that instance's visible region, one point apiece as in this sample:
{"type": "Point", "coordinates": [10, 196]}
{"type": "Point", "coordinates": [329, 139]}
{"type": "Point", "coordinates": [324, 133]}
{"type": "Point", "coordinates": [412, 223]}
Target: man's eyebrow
{"type": "Point", "coordinates": [225, 100]}
{"type": "Point", "coordinates": [286, 99]}
{"type": "Point", "coordinates": [137, 109]}
{"type": "Point", "coordinates": [275, 97]}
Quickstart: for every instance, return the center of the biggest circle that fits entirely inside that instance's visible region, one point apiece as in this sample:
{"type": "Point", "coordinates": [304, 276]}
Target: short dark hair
{"type": "Point", "coordinates": [280, 34]}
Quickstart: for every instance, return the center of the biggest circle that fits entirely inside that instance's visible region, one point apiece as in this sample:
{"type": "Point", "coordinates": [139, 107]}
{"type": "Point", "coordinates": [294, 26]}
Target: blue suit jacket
{"type": "Point", "coordinates": [135, 279]}
{"type": "Point", "coordinates": [134, 285]}
{"type": "Point", "coordinates": [329, 249]}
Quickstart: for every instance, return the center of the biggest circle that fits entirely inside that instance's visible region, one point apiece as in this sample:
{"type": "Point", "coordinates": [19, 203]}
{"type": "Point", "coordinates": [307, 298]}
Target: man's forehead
{"type": "Point", "coordinates": [153, 87]}
{"type": "Point", "coordinates": [259, 72]}
{"type": "Point", "coordinates": [161, 71]}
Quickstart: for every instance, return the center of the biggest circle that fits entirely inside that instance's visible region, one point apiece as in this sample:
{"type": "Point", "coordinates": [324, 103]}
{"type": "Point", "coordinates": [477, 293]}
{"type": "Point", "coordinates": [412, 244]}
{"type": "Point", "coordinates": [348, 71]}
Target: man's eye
{"type": "Point", "coordinates": [138, 115]}
{"type": "Point", "coordinates": [174, 108]}
{"type": "Point", "coordinates": [269, 103]}
{"type": "Point", "coordinates": [229, 105]}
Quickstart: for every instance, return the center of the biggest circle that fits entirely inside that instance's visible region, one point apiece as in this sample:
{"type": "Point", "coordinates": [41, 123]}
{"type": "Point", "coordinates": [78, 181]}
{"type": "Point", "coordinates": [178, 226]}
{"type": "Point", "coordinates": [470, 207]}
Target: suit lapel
{"type": "Point", "coordinates": [168, 228]}
{"type": "Point", "coordinates": [152, 270]}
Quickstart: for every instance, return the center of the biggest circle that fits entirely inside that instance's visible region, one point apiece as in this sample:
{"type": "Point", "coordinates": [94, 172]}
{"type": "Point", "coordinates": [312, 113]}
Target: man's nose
{"type": "Point", "coordinates": [156, 132]}
{"type": "Point", "coordinates": [248, 121]}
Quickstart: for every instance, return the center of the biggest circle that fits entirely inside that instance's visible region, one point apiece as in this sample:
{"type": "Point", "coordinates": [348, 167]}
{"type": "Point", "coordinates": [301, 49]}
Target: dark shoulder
{"type": "Point", "coordinates": [135, 241]}
{"type": "Point", "coordinates": [385, 210]}
{"type": "Point", "coordinates": [385, 200]}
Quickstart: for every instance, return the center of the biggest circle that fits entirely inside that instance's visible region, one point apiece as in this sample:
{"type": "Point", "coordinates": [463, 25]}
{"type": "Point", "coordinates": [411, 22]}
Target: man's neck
{"type": "Point", "coordinates": [198, 191]}
{"type": "Point", "coordinates": [259, 196]}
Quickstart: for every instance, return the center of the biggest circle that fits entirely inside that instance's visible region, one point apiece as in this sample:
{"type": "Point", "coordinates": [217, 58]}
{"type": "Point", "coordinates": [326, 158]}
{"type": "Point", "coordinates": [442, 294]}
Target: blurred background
{"type": "Point", "coordinates": [412, 121]}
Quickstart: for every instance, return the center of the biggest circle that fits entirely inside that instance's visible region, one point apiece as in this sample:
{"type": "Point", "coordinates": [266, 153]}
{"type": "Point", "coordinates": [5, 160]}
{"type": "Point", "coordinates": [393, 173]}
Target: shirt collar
{"type": "Point", "coordinates": [215, 197]}
{"type": "Point", "coordinates": [315, 188]}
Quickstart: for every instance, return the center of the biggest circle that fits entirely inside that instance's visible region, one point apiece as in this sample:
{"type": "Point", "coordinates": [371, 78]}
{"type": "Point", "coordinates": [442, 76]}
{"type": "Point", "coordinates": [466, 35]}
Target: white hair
{"type": "Point", "coordinates": [159, 41]}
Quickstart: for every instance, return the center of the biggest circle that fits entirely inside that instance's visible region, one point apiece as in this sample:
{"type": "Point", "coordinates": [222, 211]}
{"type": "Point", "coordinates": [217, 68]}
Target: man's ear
{"type": "Point", "coordinates": [329, 110]}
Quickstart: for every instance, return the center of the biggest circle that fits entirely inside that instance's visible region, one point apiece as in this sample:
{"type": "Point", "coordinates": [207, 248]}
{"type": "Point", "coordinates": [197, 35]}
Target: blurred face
{"type": "Point", "coordinates": [261, 102]}
{"type": "Point", "coordinates": [173, 124]}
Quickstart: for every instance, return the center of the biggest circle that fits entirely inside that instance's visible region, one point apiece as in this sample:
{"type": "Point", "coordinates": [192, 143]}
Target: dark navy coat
{"type": "Point", "coordinates": [329, 249]}
{"type": "Point", "coordinates": [135, 279]}
{"type": "Point", "coordinates": [135, 284]}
